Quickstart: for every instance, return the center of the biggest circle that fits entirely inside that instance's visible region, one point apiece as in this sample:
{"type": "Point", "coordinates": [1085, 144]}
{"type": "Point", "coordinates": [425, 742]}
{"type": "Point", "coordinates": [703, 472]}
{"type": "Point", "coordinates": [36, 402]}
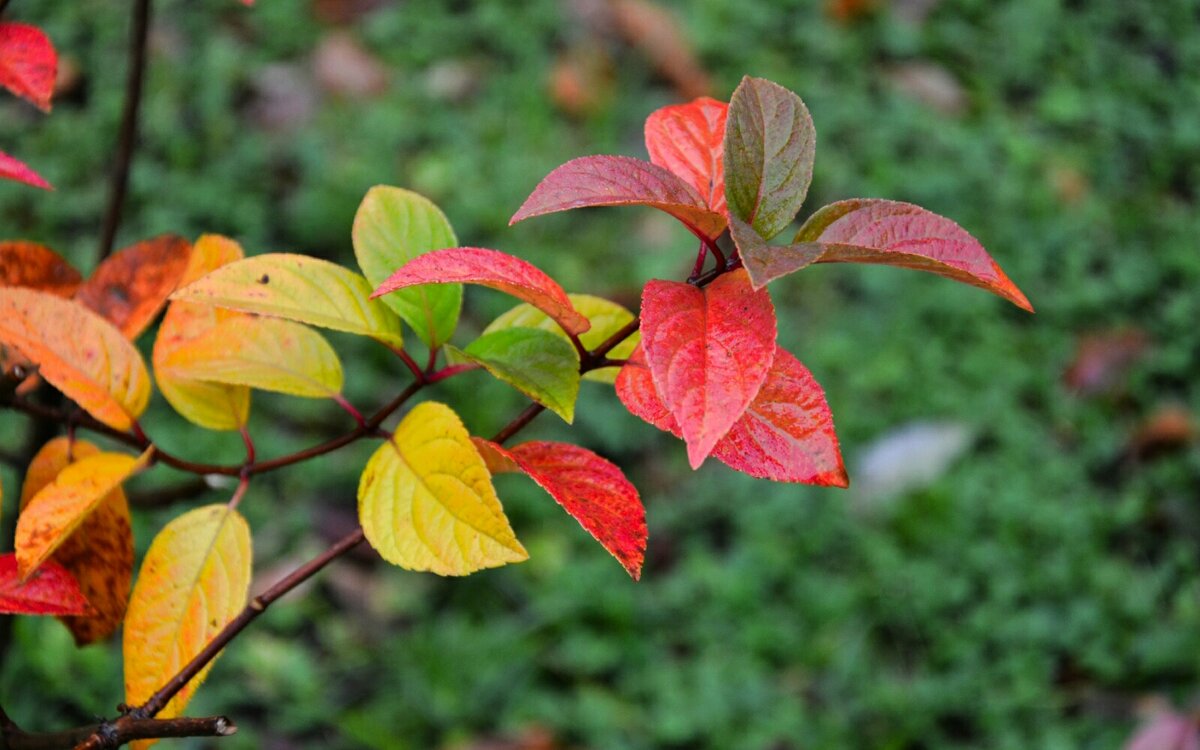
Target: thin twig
{"type": "Point", "coordinates": [113, 734]}
{"type": "Point", "coordinates": [135, 77]}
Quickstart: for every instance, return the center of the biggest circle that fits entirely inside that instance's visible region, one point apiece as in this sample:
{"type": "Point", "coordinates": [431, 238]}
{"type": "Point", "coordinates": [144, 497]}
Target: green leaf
{"type": "Point", "coordinates": [538, 363]}
{"type": "Point", "coordinates": [392, 227]}
{"type": "Point", "coordinates": [606, 317]}
{"type": "Point", "coordinates": [770, 143]}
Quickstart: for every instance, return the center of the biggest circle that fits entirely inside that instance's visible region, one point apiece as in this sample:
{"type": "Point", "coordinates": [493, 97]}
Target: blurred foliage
{"type": "Point", "coordinates": [1029, 597]}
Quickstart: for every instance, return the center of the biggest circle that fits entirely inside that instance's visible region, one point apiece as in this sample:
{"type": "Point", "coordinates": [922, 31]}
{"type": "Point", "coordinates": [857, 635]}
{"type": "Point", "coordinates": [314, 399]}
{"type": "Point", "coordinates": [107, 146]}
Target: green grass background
{"type": "Point", "coordinates": [1031, 597]}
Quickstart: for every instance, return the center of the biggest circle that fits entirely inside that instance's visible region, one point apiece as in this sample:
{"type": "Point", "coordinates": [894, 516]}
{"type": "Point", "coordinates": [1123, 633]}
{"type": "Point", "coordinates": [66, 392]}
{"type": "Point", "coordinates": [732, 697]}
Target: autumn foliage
{"type": "Point", "coordinates": [700, 360]}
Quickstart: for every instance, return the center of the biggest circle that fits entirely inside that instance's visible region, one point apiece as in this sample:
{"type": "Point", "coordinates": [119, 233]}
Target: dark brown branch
{"type": "Point", "coordinates": [135, 77]}
{"type": "Point", "coordinates": [112, 734]}
{"type": "Point", "coordinates": [255, 608]}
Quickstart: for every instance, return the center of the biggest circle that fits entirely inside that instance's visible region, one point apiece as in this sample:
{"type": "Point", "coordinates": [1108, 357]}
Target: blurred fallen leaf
{"type": "Point", "coordinates": [453, 80]}
{"type": "Point", "coordinates": [338, 12]}
{"type": "Point", "coordinates": [931, 85]}
{"type": "Point", "coordinates": [1103, 359]}
{"type": "Point", "coordinates": [342, 67]}
{"type": "Point", "coordinates": [1167, 730]}
{"type": "Point", "coordinates": [847, 11]}
{"type": "Point", "coordinates": [1169, 427]}
{"type": "Point", "coordinates": [913, 11]}
{"type": "Point", "coordinates": [1068, 182]}
{"type": "Point", "coordinates": [530, 738]}
{"type": "Point", "coordinates": [284, 98]}
{"type": "Point", "coordinates": [655, 32]}
{"type": "Point", "coordinates": [907, 458]}
{"type": "Point", "coordinates": [582, 80]}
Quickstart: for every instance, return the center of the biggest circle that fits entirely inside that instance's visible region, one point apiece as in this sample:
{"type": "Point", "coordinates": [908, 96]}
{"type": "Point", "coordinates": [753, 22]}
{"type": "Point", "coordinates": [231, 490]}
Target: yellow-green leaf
{"type": "Point", "coordinates": [392, 227]}
{"type": "Point", "coordinates": [606, 317]}
{"type": "Point", "coordinates": [538, 363]}
{"type": "Point", "coordinates": [99, 553]}
{"type": "Point", "coordinates": [264, 353]}
{"type": "Point", "coordinates": [211, 405]}
{"type": "Point", "coordinates": [299, 288]}
{"type": "Point", "coordinates": [194, 580]}
{"type": "Point", "coordinates": [426, 500]}
{"type": "Point", "coordinates": [78, 352]}
{"type": "Point", "coordinates": [59, 507]}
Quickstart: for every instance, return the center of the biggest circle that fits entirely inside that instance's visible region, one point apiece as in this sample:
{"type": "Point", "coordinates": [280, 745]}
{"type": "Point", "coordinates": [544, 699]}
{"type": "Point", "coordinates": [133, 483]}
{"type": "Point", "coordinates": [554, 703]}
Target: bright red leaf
{"type": "Point", "coordinates": [688, 140]}
{"type": "Point", "coordinates": [621, 181]}
{"type": "Point", "coordinates": [786, 435]}
{"type": "Point", "coordinates": [50, 590]}
{"type": "Point", "coordinates": [709, 351]}
{"type": "Point", "coordinates": [28, 63]}
{"type": "Point", "coordinates": [35, 266]}
{"type": "Point", "coordinates": [132, 285]}
{"type": "Point", "coordinates": [14, 169]}
{"type": "Point", "coordinates": [490, 268]}
{"type": "Point", "coordinates": [592, 489]}
{"type": "Point", "coordinates": [880, 232]}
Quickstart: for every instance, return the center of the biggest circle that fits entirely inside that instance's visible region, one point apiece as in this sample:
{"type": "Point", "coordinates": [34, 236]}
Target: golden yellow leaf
{"type": "Point", "coordinates": [265, 353]}
{"type": "Point", "coordinates": [426, 500]}
{"type": "Point", "coordinates": [58, 508]}
{"type": "Point", "coordinates": [299, 288]}
{"type": "Point", "coordinates": [194, 580]}
{"type": "Point", "coordinates": [78, 352]}
{"type": "Point", "coordinates": [214, 406]}
{"type": "Point", "coordinates": [99, 553]}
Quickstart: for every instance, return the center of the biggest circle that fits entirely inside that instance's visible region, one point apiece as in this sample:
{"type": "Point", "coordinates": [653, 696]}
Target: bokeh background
{"type": "Point", "coordinates": [1017, 563]}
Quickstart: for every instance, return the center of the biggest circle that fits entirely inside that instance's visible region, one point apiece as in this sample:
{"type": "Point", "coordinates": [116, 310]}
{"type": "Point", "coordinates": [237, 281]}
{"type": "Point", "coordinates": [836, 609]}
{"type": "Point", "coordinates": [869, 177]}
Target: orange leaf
{"type": "Point", "coordinates": [99, 554]}
{"type": "Point", "coordinates": [689, 140]}
{"type": "Point", "coordinates": [35, 266]}
{"type": "Point", "coordinates": [79, 352]}
{"type": "Point", "coordinates": [132, 285]}
{"type": "Point", "coordinates": [52, 513]}
{"type": "Point", "coordinates": [194, 580]}
{"type": "Point", "coordinates": [214, 406]}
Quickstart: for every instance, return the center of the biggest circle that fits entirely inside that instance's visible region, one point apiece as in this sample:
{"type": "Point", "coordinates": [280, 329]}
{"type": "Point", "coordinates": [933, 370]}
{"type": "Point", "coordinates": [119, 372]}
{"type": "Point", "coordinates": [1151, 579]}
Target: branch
{"type": "Point", "coordinates": [111, 734]}
{"type": "Point", "coordinates": [129, 125]}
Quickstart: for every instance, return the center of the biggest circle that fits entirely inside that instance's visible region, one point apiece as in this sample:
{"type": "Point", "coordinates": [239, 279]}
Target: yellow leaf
{"type": "Point", "coordinates": [78, 352]}
{"type": "Point", "coordinates": [265, 353]}
{"type": "Point", "coordinates": [296, 287]}
{"type": "Point", "coordinates": [606, 317]}
{"type": "Point", "coordinates": [59, 507]}
{"type": "Point", "coordinates": [194, 580]}
{"type": "Point", "coordinates": [99, 553]}
{"type": "Point", "coordinates": [426, 500]}
{"type": "Point", "coordinates": [210, 405]}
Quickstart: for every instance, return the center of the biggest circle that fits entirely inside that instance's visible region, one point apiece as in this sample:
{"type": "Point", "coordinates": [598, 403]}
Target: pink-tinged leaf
{"type": "Point", "coordinates": [770, 143]}
{"type": "Point", "coordinates": [621, 181]}
{"type": "Point", "coordinates": [881, 232]}
{"type": "Point", "coordinates": [18, 171]}
{"type": "Point", "coordinates": [709, 351]}
{"type": "Point", "coordinates": [28, 63]}
{"type": "Point", "coordinates": [49, 591]}
{"type": "Point", "coordinates": [493, 269]}
{"type": "Point", "coordinates": [590, 488]}
{"type": "Point", "coordinates": [1168, 730]}
{"type": "Point", "coordinates": [786, 435]}
{"type": "Point", "coordinates": [688, 140]}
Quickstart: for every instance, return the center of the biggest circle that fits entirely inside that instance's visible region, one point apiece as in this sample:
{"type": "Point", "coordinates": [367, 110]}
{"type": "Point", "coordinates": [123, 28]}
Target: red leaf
{"type": "Point", "coordinates": [35, 266]}
{"type": "Point", "coordinates": [786, 435]}
{"type": "Point", "coordinates": [50, 590]}
{"type": "Point", "coordinates": [880, 232]}
{"type": "Point", "coordinates": [13, 169]}
{"type": "Point", "coordinates": [621, 181]}
{"type": "Point", "coordinates": [132, 285]}
{"type": "Point", "coordinates": [28, 63]}
{"type": "Point", "coordinates": [490, 268]}
{"type": "Point", "coordinates": [709, 351]}
{"type": "Point", "coordinates": [590, 488]}
{"type": "Point", "coordinates": [688, 140]}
